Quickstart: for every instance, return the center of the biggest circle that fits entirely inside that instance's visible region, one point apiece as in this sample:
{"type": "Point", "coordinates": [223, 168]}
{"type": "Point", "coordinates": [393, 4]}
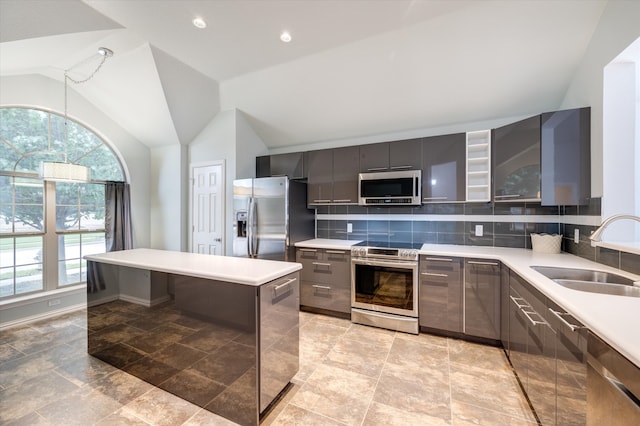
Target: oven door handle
{"type": "Point", "coordinates": [377, 262]}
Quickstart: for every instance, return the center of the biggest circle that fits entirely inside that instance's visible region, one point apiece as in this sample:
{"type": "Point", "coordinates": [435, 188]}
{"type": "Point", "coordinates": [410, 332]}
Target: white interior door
{"type": "Point", "coordinates": [207, 209]}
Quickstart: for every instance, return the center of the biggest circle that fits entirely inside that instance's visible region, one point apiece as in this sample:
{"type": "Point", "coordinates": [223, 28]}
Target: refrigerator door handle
{"type": "Point", "coordinates": [249, 227]}
{"type": "Point", "coordinates": [252, 229]}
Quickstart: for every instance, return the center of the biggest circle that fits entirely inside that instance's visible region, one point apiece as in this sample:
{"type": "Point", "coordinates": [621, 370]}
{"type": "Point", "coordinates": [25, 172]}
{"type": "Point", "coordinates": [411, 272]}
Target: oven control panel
{"type": "Point", "coordinates": [385, 253]}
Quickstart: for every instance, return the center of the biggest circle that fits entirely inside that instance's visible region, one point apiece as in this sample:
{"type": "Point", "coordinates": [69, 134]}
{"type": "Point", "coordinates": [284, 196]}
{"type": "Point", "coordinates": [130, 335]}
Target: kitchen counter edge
{"type": "Point", "coordinates": [238, 270]}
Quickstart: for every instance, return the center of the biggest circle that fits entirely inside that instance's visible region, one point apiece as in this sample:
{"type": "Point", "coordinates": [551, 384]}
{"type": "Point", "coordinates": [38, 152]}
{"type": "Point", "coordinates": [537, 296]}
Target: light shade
{"type": "Point", "coordinates": [64, 172]}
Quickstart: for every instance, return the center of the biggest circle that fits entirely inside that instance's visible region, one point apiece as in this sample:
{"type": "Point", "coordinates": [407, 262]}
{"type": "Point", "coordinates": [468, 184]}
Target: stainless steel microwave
{"type": "Point", "coordinates": [399, 188]}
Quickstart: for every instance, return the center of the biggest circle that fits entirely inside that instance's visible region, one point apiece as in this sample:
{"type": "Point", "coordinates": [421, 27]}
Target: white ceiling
{"type": "Point", "coordinates": [354, 67]}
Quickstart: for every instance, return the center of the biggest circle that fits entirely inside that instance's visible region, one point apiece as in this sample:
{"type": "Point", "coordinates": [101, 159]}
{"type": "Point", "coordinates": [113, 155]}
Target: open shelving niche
{"type": "Point", "coordinates": [479, 166]}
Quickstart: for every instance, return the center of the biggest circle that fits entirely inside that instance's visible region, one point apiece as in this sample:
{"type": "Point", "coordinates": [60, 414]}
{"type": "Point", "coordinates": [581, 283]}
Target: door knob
{"type": "Point", "coordinates": [218, 240]}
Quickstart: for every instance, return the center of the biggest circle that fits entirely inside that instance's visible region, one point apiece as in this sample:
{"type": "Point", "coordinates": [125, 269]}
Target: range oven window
{"type": "Point", "coordinates": [384, 286]}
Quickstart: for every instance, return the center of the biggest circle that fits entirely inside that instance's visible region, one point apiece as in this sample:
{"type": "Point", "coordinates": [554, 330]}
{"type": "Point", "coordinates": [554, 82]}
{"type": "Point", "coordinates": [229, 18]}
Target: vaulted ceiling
{"type": "Point", "coordinates": [353, 68]}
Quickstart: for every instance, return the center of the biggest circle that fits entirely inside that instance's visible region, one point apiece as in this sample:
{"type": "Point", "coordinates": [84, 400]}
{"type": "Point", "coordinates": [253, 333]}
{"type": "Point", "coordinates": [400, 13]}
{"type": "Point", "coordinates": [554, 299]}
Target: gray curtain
{"type": "Point", "coordinates": [117, 221]}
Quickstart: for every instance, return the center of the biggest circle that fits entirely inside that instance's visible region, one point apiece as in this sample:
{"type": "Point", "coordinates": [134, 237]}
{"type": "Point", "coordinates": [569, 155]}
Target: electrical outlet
{"type": "Point", "coordinates": [576, 235]}
{"type": "Point", "coordinates": [349, 227]}
{"type": "Point", "coordinates": [479, 230]}
{"type": "Point", "coordinates": [54, 302]}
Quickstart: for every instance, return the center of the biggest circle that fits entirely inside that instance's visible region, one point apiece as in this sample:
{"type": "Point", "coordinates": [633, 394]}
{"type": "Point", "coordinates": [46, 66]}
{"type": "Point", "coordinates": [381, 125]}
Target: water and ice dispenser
{"type": "Point", "coordinates": [241, 224]}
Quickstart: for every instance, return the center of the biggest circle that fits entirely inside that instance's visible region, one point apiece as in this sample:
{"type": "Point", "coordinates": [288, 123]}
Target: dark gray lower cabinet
{"type": "Point", "coordinates": [325, 279]}
{"type": "Point", "coordinates": [482, 298]}
{"type": "Point", "coordinates": [571, 366]}
{"type": "Point", "coordinates": [547, 348]}
{"type": "Point", "coordinates": [440, 294]}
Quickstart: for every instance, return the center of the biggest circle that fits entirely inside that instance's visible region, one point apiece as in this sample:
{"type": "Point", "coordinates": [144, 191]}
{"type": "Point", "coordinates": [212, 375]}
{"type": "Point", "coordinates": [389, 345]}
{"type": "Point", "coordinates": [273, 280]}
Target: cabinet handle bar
{"type": "Point", "coordinates": [473, 262]}
{"type": "Point", "coordinates": [321, 287]}
{"type": "Point", "coordinates": [560, 316]}
{"type": "Point", "coordinates": [534, 322]}
{"type": "Point", "coordinates": [433, 274]}
{"type": "Point", "coordinates": [515, 300]}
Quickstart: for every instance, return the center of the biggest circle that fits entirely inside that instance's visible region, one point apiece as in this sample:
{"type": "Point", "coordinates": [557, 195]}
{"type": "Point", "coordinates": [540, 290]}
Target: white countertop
{"type": "Point", "coordinates": [327, 243]}
{"type": "Point", "coordinates": [615, 319]}
{"type": "Point", "coordinates": [238, 270]}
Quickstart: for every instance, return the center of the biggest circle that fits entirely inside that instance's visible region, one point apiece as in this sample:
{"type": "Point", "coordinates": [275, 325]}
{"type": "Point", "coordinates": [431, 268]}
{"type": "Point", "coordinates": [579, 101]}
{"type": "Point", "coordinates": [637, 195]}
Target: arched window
{"type": "Point", "coordinates": [47, 227]}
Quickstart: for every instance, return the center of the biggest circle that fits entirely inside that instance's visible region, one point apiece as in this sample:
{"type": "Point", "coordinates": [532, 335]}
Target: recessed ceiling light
{"type": "Point", "coordinates": [199, 23]}
{"type": "Point", "coordinates": [285, 36]}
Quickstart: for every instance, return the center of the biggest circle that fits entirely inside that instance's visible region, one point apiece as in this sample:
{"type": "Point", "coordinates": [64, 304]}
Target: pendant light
{"type": "Point", "coordinates": [65, 171]}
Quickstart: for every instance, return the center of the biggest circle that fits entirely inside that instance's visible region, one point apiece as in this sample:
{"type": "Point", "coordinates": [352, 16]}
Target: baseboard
{"type": "Point", "coordinates": [144, 302]}
{"type": "Point", "coordinates": [45, 315]}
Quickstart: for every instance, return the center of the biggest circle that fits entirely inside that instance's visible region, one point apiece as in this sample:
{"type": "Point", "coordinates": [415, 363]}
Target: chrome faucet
{"type": "Point", "coordinates": [596, 236]}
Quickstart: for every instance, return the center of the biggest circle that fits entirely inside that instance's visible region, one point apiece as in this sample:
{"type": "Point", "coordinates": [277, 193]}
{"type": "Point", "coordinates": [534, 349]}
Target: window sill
{"type": "Point", "coordinates": [42, 296]}
{"type": "Point", "coordinates": [625, 247]}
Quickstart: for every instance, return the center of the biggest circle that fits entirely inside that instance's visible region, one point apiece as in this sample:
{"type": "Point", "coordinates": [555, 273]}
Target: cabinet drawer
{"type": "Point", "coordinates": [325, 296]}
{"type": "Point", "coordinates": [446, 265]}
{"type": "Point", "coordinates": [325, 266]}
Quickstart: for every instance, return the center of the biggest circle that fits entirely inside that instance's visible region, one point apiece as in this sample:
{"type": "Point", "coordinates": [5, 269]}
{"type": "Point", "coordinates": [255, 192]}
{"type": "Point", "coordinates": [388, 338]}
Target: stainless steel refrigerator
{"type": "Point", "coordinates": [270, 216]}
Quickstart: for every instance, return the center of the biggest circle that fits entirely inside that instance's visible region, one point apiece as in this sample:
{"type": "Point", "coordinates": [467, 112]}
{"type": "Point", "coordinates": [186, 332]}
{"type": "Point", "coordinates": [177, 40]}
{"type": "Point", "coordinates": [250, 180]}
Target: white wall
{"type": "Point", "coordinates": [249, 145]}
{"type": "Point", "coordinates": [619, 26]}
{"type": "Point", "coordinates": [42, 92]}
{"type": "Point", "coordinates": [228, 137]}
{"type": "Point", "coordinates": [169, 198]}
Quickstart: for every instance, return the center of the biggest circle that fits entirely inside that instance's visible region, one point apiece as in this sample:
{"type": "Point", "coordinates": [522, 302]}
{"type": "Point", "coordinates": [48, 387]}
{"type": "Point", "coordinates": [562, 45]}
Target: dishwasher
{"type": "Point", "coordinates": [613, 386]}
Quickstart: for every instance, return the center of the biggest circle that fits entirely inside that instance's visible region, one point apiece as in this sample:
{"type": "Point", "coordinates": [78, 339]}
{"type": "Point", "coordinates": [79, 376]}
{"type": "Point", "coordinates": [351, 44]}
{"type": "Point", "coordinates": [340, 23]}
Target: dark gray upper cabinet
{"type": "Point", "coordinates": [290, 164]}
{"type": "Point", "coordinates": [374, 157]}
{"type": "Point", "coordinates": [443, 168]}
{"type": "Point", "coordinates": [320, 179]}
{"type": "Point", "coordinates": [405, 155]}
{"type": "Point", "coordinates": [516, 161]}
{"type": "Point", "coordinates": [345, 175]}
{"type": "Point", "coordinates": [390, 156]}
{"type": "Point", "coordinates": [566, 157]}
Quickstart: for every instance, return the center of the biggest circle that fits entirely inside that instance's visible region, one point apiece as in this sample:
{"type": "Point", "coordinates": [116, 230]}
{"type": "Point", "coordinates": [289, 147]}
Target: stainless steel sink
{"type": "Point", "coordinates": [590, 281]}
{"type": "Point", "coordinates": [599, 287]}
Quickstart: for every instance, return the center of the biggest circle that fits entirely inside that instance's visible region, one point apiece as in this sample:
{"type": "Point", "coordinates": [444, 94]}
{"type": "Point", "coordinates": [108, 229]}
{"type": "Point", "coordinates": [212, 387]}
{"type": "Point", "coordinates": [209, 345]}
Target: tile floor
{"type": "Point", "coordinates": [349, 375]}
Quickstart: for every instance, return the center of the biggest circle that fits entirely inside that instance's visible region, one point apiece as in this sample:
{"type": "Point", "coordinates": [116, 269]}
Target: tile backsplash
{"type": "Point", "coordinates": [503, 225]}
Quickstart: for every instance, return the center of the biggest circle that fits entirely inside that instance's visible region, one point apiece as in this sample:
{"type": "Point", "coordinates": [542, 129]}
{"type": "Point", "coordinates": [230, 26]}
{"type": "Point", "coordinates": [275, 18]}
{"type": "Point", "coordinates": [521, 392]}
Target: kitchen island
{"type": "Point", "coordinates": [220, 332]}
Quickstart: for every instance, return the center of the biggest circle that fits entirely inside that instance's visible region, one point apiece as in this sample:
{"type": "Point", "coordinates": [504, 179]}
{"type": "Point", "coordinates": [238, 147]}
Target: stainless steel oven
{"type": "Point", "coordinates": [384, 286]}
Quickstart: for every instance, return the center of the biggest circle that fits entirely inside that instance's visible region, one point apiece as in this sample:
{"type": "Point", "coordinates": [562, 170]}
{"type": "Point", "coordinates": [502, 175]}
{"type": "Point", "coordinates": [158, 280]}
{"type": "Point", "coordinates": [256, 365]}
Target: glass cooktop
{"type": "Point", "coordinates": [389, 244]}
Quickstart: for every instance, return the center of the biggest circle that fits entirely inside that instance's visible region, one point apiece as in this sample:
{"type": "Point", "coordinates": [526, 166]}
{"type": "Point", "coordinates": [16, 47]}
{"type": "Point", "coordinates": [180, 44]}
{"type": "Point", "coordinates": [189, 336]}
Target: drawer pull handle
{"type": "Point", "coordinates": [335, 252]}
{"type": "Point", "coordinates": [321, 287]}
{"type": "Point", "coordinates": [400, 167]}
{"type": "Point", "coordinates": [321, 264]}
{"type": "Point", "coordinates": [433, 274]}
{"type": "Point", "coordinates": [439, 259]}
{"type": "Point", "coordinates": [283, 288]}
{"type": "Point", "coordinates": [560, 316]}
{"type": "Point", "coordinates": [498, 197]}
{"type": "Point", "coordinates": [515, 300]}
{"type": "Point", "coordinates": [376, 169]}
{"type": "Point", "coordinates": [309, 250]}
{"type": "Point", "coordinates": [534, 322]}
{"type": "Point", "coordinates": [321, 201]}
{"type": "Point", "coordinates": [475, 262]}
{"type": "Point", "coordinates": [342, 201]}
{"type": "Point", "coordinates": [434, 198]}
